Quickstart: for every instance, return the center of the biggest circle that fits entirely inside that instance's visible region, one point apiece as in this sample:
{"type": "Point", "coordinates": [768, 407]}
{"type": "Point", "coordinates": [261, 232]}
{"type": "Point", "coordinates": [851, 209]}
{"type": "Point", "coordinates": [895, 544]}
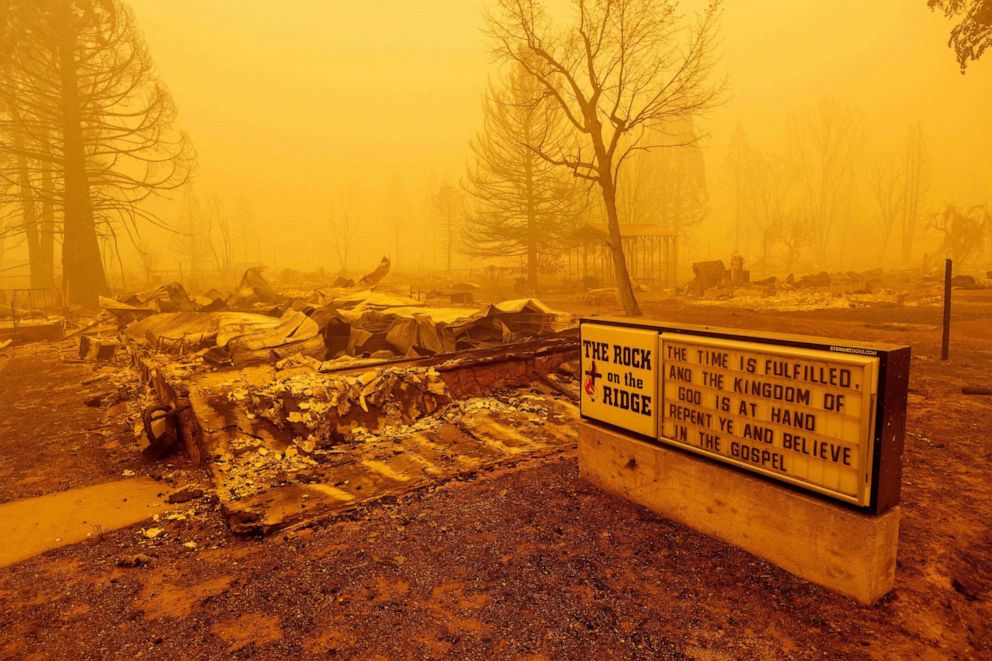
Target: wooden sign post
{"type": "Point", "coordinates": [945, 336]}
{"type": "Point", "coordinates": [787, 446]}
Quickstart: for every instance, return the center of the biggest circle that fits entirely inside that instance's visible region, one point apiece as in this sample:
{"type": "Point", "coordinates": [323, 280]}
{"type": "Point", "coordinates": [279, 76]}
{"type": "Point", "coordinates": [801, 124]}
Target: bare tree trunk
{"type": "Point", "coordinates": [627, 298]}
{"type": "Point", "coordinates": [396, 257]}
{"type": "Point", "coordinates": [38, 229]}
{"type": "Point", "coordinates": [609, 189]}
{"type": "Point", "coordinates": [29, 211]}
{"type": "Point", "coordinates": [46, 229]}
{"type": "Point", "coordinates": [83, 277]}
{"type": "Point", "coordinates": [911, 194]}
{"type": "Point", "coordinates": [451, 235]}
{"type": "Point", "coordinates": [764, 251]}
{"type": "Point", "coordinates": [532, 237]}
{"type": "Point", "coordinates": [27, 198]}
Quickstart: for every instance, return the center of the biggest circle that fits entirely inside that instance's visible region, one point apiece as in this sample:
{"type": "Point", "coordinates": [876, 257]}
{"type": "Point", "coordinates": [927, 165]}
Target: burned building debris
{"type": "Point", "coordinates": [299, 406]}
{"type": "Point", "coordinates": [300, 402]}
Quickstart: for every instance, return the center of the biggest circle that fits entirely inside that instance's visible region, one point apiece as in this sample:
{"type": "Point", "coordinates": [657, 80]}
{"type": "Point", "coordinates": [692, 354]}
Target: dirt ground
{"type": "Point", "coordinates": [520, 562]}
{"type": "Point", "coordinates": [49, 439]}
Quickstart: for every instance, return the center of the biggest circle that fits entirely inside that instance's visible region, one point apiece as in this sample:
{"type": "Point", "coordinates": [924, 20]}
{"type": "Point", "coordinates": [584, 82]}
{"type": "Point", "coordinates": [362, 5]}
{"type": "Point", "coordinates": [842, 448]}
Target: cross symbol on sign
{"type": "Point", "coordinates": [591, 381]}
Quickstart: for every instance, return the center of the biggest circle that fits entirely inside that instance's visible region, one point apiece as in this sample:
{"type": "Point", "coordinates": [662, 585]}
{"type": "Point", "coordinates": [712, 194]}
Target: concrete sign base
{"type": "Point", "coordinates": [835, 546]}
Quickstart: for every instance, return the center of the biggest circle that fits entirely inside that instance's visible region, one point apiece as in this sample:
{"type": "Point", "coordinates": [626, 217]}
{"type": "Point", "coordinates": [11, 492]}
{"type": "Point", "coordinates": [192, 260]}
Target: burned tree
{"type": "Point", "coordinates": [735, 160]}
{"type": "Point", "coordinates": [31, 189]}
{"type": "Point", "coordinates": [188, 239]}
{"type": "Point", "coordinates": [617, 73]}
{"type": "Point", "coordinates": [898, 183]}
{"type": "Point", "coordinates": [773, 204]}
{"type": "Point", "coordinates": [218, 233]}
{"type": "Point", "coordinates": [914, 183]}
{"type": "Point", "coordinates": [448, 210]}
{"type": "Point", "coordinates": [80, 83]}
{"type": "Point", "coordinates": [885, 185]}
{"type": "Point", "coordinates": [666, 187]}
{"type": "Point", "coordinates": [523, 204]}
{"type": "Point", "coordinates": [823, 144]}
{"type": "Point", "coordinates": [963, 231]}
{"type": "Point", "coordinates": [395, 213]}
{"type": "Point", "coordinates": [344, 228]}
{"type": "Point", "coordinates": [973, 32]}
{"type": "Point", "coordinates": [26, 182]}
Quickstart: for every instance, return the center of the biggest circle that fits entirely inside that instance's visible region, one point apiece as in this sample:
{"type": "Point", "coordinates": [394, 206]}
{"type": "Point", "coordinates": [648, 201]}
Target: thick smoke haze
{"type": "Point", "coordinates": [304, 111]}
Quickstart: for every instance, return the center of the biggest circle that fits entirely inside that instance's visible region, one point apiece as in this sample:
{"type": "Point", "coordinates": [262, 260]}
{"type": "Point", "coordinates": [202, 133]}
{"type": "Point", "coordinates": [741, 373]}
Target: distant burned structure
{"type": "Point", "coordinates": [651, 252]}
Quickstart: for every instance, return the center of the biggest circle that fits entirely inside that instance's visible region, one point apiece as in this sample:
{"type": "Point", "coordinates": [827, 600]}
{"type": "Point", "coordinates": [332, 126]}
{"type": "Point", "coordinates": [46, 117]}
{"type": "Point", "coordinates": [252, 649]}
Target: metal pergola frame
{"type": "Point", "coordinates": [651, 254]}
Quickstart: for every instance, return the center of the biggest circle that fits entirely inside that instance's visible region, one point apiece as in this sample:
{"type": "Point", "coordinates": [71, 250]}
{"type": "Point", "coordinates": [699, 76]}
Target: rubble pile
{"type": "Point", "coordinates": [236, 338]}
{"type": "Point", "coordinates": [274, 433]}
{"type": "Point", "coordinates": [256, 324]}
{"type": "Point", "coordinates": [262, 489]}
{"type": "Point", "coordinates": [321, 412]}
{"type": "Point", "coordinates": [714, 284]}
{"type": "Point", "coordinates": [338, 394]}
{"type": "Point", "coordinates": [249, 467]}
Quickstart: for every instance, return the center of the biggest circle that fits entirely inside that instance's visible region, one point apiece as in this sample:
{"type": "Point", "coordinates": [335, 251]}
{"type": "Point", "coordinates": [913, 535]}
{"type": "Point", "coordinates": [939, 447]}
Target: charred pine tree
{"type": "Point", "coordinates": [25, 178]}
{"type": "Point", "coordinates": [620, 71]}
{"type": "Point", "coordinates": [30, 189]}
{"type": "Point", "coordinates": [84, 88]}
{"type": "Point", "coordinates": [523, 206]}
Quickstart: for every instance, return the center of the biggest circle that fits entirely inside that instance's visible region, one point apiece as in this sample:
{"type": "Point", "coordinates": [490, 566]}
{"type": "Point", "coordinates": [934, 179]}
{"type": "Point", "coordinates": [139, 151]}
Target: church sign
{"type": "Point", "coordinates": [620, 377]}
{"type": "Point", "coordinates": [822, 415]}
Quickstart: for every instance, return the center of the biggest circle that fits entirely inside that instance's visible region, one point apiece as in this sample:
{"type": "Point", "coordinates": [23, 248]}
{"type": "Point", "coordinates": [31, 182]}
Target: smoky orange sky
{"type": "Point", "coordinates": [291, 103]}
